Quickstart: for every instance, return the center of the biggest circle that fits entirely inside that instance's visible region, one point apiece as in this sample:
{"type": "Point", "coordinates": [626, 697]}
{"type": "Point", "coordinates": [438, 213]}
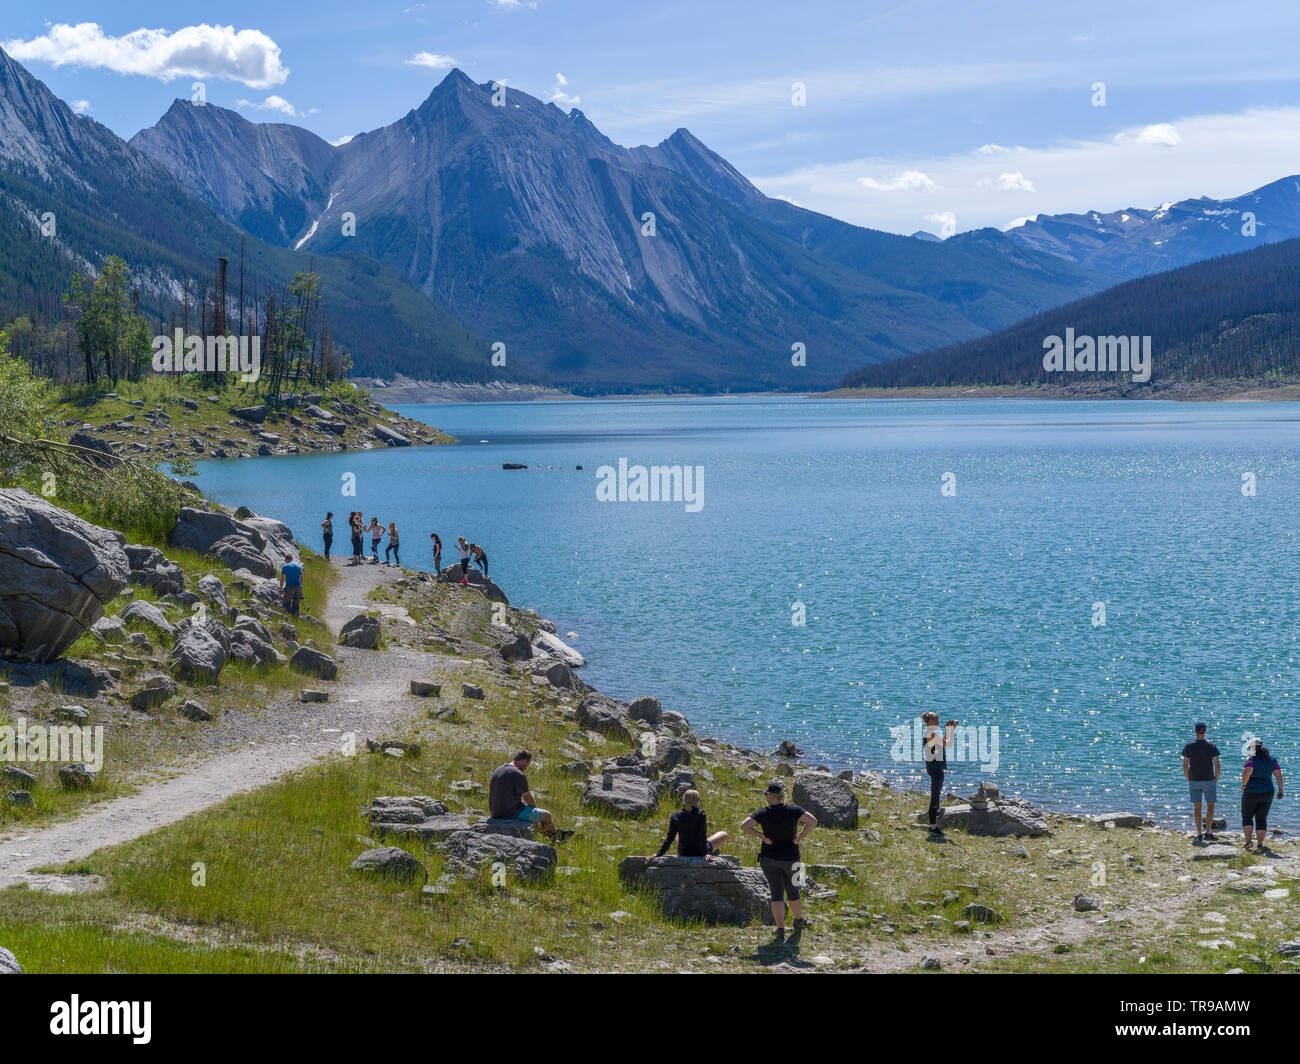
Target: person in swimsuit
{"type": "Point", "coordinates": [376, 531]}
{"type": "Point", "coordinates": [480, 557]}
{"type": "Point", "coordinates": [437, 553]}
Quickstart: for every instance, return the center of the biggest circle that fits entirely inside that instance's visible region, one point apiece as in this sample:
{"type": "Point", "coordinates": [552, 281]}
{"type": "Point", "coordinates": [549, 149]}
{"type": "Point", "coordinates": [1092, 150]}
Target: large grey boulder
{"type": "Point", "coordinates": [554, 672]}
{"type": "Point", "coordinates": [717, 891]}
{"type": "Point", "coordinates": [198, 656]}
{"type": "Point", "coordinates": [150, 568]}
{"type": "Point", "coordinates": [527, 861]}
{"type": "Point", "coordinates": [413, 817]}
{"type": "Point", "coordinates": [390, 436]}
{"type": "Point", "coordinates": [647, 710]}
{"type": "Point", "coordinates": [556, 647]}
{"type": "Point", "coordinates": [57, 572]}
{"type": "Point", "coordinates": [242, 552]}
{"type": "Point", "coordinates": [212, 589]}
{"type": "Point", "coordinates": [110, 629]}
{"type": "Point", "coordinates": [248, 648]}
{"type": "Point", "coordinates": [362, 631]}
{"type": "Point", "coordinates": [391, 862]}
{"type": "Point", "coordinates": [1003, 817]}
{"type": "Point", "coordinates": [606, 715]}
{"type": "Point", "coordinates": [258, 544]}
{"type": "Point", "coordinates": [9, 963]}
{"type": "Point", "coordinates": [404, 809]}
{"type": "Point", "coordinates": [477, 580]}
{"type": "Point", "coordinates": [829, 799]}
{"type": "Point", "coordinates": [279, 538]}
{"type": "Point", "coordinates": [314, 663]}
{"type": "Point", "coordinates": [1119, 820]}
{"type": "Point", "coordinates": [256, 414]}
{"type": "Point", "coordinates": [149, 615]}
{"type": "Point", "coordinates": [622, 793]}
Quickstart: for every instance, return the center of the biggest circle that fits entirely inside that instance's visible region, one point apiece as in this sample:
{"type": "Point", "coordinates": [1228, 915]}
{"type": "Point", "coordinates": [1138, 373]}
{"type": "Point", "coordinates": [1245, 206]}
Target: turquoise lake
{"type": "Point", "coordinates": [979, 604]}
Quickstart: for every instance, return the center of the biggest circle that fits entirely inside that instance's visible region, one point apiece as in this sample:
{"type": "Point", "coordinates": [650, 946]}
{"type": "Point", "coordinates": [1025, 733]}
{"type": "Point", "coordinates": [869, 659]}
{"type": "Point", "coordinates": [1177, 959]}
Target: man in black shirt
{"type": "Point", "coordinates": [779, 854]}
{"type": "Point", "coordinates": [1201, 768]}
{"type": "Point", "coordinates": [510, 799]}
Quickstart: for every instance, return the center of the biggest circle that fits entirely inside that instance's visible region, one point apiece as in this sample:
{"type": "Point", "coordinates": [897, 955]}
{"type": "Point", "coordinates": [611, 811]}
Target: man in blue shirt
{"type": "Point", "coordinates": [291, 585]}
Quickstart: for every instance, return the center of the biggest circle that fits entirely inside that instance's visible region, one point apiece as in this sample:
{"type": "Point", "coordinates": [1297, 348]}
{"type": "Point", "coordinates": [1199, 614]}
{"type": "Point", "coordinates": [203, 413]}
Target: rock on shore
{"type": "Point", "coordinates": [57, 572]}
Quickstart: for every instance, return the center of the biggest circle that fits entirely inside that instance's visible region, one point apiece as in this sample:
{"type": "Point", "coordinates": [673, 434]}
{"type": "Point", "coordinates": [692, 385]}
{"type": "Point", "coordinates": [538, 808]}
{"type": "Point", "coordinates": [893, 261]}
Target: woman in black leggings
{"type": "Point", "coordinates": [936, 746]}
{"type": "Point", "coordinates": [1257, 793]}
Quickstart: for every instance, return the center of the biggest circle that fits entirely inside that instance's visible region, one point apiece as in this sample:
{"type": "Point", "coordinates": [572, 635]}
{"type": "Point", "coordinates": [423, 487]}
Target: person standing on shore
{"type": "Point", "coordinates": [392, 544]}
{"type": "Point", "coordinates": [376, 531]}
{"type": "Point", "coordinates": [327, 528]}
{"type": "Point", "coordinates": [1201, 770]}
{"type": "Point", "coordinates": [357, 523]}
{"type": "Point", "coordinates": [779, 854]}
{"type": "Point", "coordinates": [291, 585]}
{"type": "Point", "coordinates": [480, 557]}
{"type": "Point", "coordinates": [437, 553]}
{"type": "Point", "coordinates": [1257, 792]}
{"type": "Point", "coordinates": [463, 547]}
{"type": "Point", "coordinates": [935, 747]}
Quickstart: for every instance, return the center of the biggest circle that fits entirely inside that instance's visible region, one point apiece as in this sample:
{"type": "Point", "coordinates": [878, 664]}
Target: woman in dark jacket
{"type": "Point", "coordinates": [690, 827]}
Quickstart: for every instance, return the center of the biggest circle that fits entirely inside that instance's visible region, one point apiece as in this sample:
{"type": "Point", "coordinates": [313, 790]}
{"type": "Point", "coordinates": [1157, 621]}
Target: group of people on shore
{"type": "Point", "coordinates": [469, 552]}
{"type": "Point", "coordinates": [358, 528]}
{"type": "Point", "coordinates": [780, 826]}
{"type": "Point", "coordinates": [1201, 769]}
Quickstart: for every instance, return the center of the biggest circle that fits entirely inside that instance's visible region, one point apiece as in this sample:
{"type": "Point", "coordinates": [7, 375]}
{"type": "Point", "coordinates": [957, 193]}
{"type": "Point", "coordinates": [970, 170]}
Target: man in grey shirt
{"type": "Point", "coordinates": [510, 799]}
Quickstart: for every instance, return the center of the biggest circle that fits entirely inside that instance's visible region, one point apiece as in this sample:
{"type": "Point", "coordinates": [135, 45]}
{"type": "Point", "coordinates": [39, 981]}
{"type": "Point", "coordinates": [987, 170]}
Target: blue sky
{"type": "Point", "coordinates": [926, 115]}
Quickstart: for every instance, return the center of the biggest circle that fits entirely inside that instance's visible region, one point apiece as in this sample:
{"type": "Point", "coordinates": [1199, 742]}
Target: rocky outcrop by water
{"type": "Point", "coordinates": [57, 573]}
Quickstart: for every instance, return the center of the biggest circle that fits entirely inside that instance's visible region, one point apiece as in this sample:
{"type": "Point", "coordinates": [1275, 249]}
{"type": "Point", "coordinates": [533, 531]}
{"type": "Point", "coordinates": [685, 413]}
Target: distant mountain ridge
{"type": "Point", "coordinates": [1236, 317]}
{"type": "Point", "coordinates": [1137, 241]}
{"type": "Point", "coordinates": [535, 230]}
{"type": "Point", "coordinates": [105, 197]}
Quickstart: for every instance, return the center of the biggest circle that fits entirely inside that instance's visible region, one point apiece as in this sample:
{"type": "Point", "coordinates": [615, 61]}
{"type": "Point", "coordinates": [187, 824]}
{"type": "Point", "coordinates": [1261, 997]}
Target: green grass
{"type": "Point", "coordinates": [278, 893]}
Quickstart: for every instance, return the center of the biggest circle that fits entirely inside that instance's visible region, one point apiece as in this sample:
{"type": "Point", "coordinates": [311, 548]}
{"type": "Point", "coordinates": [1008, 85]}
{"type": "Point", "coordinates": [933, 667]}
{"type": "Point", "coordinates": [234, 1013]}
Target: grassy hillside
{"type": "Point", "coordinates": [1235, 317]}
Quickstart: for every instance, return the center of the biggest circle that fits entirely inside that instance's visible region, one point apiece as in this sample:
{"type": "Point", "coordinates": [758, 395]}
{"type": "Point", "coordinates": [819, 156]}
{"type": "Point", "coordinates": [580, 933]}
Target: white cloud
{"type": "Point", "coordinates": [1220, 155]}
{"type": "Point", "coordinates": [559, 96]}
{"type": "Point", "coordinates": [997, 149]}
{"type": "Point", "coordinates": [272, 103]}
{"type": "Point", "coordinates": [945, 220]}
{"type": "Point", "coordinates": [342, 140]}
{"type": "Point", "coordinates": [1163, 134]}
{"type": "Point", "coordinates": [1016, 182]}
{"type": "Point", "coordinates": [203, 51]}
{"type": "Point", "coordinates": [431, 60]}
{"type": "Point", "coordinates": [907, 181]}
{"type": "Point", "coordinates": [80, 106]}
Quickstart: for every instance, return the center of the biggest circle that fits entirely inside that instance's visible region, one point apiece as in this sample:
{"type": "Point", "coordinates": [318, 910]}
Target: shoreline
{"type": "Point", "coordinates": [1206, 391]}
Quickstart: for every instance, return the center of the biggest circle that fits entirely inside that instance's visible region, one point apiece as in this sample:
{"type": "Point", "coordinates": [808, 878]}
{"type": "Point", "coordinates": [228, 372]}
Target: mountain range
{"type": "Point", "coordinates": [486, 217]}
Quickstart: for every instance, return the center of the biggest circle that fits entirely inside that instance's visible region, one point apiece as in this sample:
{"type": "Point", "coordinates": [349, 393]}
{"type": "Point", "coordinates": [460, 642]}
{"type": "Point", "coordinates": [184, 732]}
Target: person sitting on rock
{"type": "Point", "coordinates": [779, 853]}
{"type": "Point", "coordinates": [689, 825]}
{"type": "Point", "coordinates": [510, 799]}
{"type": "Point", "coordinates": [291, 585]}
